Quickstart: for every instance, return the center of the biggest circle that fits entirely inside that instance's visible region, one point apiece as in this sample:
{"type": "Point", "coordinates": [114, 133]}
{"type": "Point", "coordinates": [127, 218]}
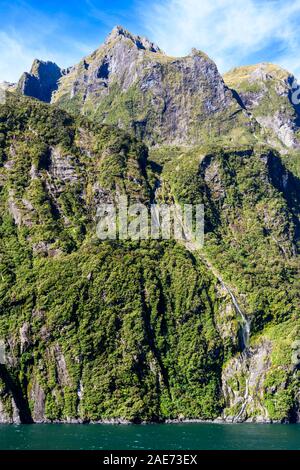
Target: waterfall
{"type": "Point", "coordinates": [246, 323]}
{"type": "Point", "coordinates": [192, 245]}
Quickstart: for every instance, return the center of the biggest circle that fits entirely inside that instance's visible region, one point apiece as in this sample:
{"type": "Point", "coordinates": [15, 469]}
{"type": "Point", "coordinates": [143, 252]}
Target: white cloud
{"type": "Point", "coordinates": [17, 55]}
{"type": "Point", "coordinates": [230, 31]}
{"type": "Point", "coordinates": [14, 59]}
{"type": "Point", "coordinates": [37, 36]}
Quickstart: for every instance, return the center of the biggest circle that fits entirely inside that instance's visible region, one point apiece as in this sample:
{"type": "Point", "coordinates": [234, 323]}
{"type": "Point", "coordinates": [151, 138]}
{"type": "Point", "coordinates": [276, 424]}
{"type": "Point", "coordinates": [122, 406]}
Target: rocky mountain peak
{"type": "Point", "coordinates": [41, 68]}
{"type": "Point", "coordinates": [41, 81]}
{"type": "Point", "coordinates": [261, 72]}
{"type": "Point", "coordinates": [131, 83]}
{"type": "Point", "coordinates": [120, 33]}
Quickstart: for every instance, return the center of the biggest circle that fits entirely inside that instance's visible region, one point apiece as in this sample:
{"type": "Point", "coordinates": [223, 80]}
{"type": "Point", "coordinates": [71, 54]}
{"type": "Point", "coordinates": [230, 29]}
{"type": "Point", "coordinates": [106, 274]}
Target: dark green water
{"type": "Point", "coordinates": [151, 437]}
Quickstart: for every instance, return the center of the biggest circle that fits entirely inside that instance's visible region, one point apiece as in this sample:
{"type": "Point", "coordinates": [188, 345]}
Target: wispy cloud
{"type": "Point", "coordinates": [15, 58]}
{"type": "Point", "coordinates": [107, 19]}
{"type": "Point", "coordinates": [37, 35]}
{"type": "Point", "coordinates": [115, 13]}
{"type": "Point", "coordinates": [230, 31]}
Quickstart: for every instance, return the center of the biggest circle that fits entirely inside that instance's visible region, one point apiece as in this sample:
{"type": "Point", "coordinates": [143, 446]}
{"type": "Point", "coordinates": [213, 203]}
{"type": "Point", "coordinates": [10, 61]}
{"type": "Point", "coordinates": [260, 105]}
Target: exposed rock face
{"type": "Point", "coordinates": [37, 397]}
{"type": "Point", "coordinates": [267, 91]}
{"type": "Point", "coordinates": [130, 82]}
{"type": "Point", "coordinates": [41, 81]}
{"type": "Point", "coordinates": [4, 88]}
{"type": "Point", "coordinates": [255, 390]}
{"type": "Point", "coordinates": [227, 321]}
{"type": "Point", "coordinates": [10, 415]}
{"type": "Point", "coordinates": [24, 336]}
{"type": "Point", "coordinates": [61, 168]}
{"type": "Point", "coordinates": [61, 367]}
{"type": "Point", "coordinates": [282, 126]}
{"type": "Point", "coordinates": [297, 408]}
{"type": "Point", "coordinates": [4, 418]}
{"type": "Point", "coordinates": [243, 385]}
{"type": "Point", "coordinates": [14, 210]}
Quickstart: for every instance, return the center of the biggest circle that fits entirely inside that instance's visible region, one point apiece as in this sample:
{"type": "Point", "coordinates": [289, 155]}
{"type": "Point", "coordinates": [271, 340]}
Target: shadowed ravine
{"type": "Point", "coordinates": [17, 394]}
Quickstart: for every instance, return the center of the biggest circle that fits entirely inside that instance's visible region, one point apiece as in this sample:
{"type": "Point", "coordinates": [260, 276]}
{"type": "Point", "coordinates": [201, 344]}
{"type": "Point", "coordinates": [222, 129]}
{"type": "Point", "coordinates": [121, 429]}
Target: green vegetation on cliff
{"type": "Point", "coordinates": [149, 330]}
{"type": "Point", "coordinates": [95, 330]}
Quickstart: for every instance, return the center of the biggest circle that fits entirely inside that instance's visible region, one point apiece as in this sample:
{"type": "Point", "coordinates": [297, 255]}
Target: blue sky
{"type": "Point", "coordinates": [232, 32]}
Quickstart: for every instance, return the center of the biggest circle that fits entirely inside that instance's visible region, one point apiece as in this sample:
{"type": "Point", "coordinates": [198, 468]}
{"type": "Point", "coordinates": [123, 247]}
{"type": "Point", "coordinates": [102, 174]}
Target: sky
{"type": "Point", "coordinates": [231, 32]}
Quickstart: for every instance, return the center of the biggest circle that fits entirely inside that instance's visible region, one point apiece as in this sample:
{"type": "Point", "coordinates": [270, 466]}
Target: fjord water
{"type": "Point", "coordinates": [150, 437]}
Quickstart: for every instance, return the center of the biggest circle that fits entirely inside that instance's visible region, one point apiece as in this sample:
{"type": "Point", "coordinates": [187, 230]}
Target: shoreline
{"type": "Point", "coordinates": [122, 422]}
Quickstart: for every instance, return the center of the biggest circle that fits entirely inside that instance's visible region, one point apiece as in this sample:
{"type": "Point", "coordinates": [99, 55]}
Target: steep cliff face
{"type": "Point", "coordinates": [142, 330]}
{"type": "Point", "coordinates": [262, 384]}
{"type": "Point", "coordinates": [272, 96]}
{"type": "Point", "coordinates": [130, 82]}
{"type": "Point", "coordinates": [149, 330]}
{"type": "Point", "coordinates": [41, 81]}
{"type": "Point", "coordinates": [93, 330]}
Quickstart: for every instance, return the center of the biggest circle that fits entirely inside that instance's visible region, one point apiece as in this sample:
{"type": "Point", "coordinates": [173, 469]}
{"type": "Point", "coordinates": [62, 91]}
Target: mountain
{"type": "Point", "coordinates": [42, 80]}
{"type": "Point", "coordinates": [267, 91]}
{"type": "Point", "coordinates": [149, 330]}
{"type": "Point", "coordinates": [131, 83]}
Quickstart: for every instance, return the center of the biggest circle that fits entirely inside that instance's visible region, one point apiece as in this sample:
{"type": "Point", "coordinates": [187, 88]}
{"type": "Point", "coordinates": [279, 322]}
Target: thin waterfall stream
{"type": "Point", "coordinates": [193, 246]}
{"type": "Point", "coordinates": [245, 322]}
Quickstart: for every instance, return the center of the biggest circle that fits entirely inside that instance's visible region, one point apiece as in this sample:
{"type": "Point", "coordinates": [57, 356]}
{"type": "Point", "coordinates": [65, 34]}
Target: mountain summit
{"type": "Point", "coordinates": [131, 83]}
{"type": "Point", "coordinates": [141, 42]}
{"type": "Point", "coordinates": [41, 81]}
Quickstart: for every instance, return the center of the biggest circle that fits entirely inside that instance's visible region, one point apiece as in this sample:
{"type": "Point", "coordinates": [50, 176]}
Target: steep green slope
{"type": "Point", "coordinates": [252, 209]}
{"type": "Point", "coordinates": [111, 332]}
{"type": "Point", "coordinates": [252, 205]}
{"type": "Point", "coordinates": [142, 330]}
{"type": "Point", "coordinates": [94, 330]}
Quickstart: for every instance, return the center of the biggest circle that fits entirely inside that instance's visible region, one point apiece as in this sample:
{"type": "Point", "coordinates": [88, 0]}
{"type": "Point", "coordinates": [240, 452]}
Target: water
{"type": "Point", "coordinates": [150, 437]}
